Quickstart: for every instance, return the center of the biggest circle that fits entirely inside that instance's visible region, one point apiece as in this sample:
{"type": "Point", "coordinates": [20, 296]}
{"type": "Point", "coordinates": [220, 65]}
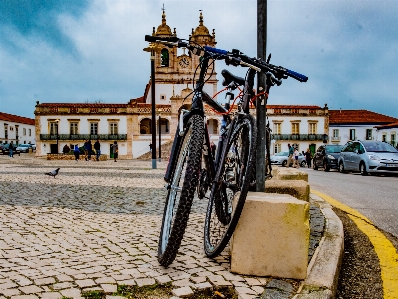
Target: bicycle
{"type": "Point", "coordinates": [229, 176]}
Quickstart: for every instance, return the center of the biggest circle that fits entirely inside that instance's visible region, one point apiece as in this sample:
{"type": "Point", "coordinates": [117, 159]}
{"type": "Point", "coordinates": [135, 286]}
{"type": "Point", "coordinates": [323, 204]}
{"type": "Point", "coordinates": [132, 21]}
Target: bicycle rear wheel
{"type": "Point", "coordinates": [181, 192]}
{"type": "Point", "coordinates": [229, 192]}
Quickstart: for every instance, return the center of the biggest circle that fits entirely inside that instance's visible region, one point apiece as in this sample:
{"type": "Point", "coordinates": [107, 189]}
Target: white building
{"type": "Point", "coordinates": [16, 129]}
{"type": "Point", "coordinates": [347, 125]}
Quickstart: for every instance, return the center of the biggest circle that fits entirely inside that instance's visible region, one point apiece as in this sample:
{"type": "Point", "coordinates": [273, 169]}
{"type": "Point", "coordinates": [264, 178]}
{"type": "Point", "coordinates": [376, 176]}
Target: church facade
{"type": "Point", "coordinates": [129, 124]}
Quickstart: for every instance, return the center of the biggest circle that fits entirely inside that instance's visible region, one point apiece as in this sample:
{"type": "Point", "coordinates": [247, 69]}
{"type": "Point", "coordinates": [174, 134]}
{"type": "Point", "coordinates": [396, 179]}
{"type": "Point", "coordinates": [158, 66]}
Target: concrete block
{"type": "Point", "coordinates": [299, 189]}
{"type": "Point", "coordinates": [291, 174]}
{"type": "Point", "coordinates": [272, 237]}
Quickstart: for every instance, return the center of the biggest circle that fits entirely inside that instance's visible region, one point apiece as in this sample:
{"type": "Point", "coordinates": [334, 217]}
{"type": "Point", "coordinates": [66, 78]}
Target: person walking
{"type": "Point", "coordinates": [97, 147]}
{"type": "Point", "coordinates": [76, 152]}
{"type": "Point", "coordinates": [115, 150]}
{"type": "Point", "coordinates": [308, 158]}
{"type": "Point", "coordinates": [213, 148]}
{"type": "Point", "coordinates": [296, 154]}
{"type": "Point", "coordinates": [11, 150]}
{"type": "Point", "coordinates": [66, 149]}
{"type": "Point", "coordinates": [290, 155]}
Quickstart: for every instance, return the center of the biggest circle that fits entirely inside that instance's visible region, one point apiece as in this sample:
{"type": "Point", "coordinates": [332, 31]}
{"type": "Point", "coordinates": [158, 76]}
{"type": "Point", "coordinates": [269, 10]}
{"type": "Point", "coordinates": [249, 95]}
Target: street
{"type": "Point", "coordinates": [373, 196]}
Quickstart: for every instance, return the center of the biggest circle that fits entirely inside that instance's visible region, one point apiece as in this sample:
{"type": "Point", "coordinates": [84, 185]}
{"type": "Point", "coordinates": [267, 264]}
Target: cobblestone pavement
{"type": "Point", "coordinates": [96, 226]}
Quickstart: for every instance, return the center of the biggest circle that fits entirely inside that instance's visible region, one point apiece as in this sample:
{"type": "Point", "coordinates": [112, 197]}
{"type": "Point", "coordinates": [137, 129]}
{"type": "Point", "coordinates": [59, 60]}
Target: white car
{"type": "Point", "coordinates": [33, 146]}
{"type": "Point", "coordinates": [23, 148]}
{"type": "Point", "coordinates": [281, 159]}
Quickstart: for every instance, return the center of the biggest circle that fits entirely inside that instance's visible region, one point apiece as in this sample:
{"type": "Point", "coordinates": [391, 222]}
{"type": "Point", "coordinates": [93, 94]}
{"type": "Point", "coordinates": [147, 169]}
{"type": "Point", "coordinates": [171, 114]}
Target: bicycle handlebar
{"type": "Point", "coordinates": [235, 58]}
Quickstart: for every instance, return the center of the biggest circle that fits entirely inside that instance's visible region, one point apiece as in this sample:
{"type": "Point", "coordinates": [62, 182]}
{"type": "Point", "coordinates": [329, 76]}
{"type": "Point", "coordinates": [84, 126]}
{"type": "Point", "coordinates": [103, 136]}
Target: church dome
{"type": "Point", "coordinates": [202, 34]}
{"type": "Point", "coordinates": [163, 29]}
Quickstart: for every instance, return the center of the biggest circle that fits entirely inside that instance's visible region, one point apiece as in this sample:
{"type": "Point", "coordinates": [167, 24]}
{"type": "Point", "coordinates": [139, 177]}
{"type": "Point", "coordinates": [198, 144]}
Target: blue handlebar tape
{"type": "Point", "coordinates": [215, 50]}
{"type": "Point", "coordinates": [297, 76]}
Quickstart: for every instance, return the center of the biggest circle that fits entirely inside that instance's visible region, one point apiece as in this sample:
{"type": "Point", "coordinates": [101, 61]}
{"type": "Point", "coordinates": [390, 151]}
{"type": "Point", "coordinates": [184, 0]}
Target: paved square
{"type": "Point", "coordinates": [94, 225]}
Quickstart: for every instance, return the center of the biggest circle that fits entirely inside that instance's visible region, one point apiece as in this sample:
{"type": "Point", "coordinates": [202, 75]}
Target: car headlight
{"type": "Point", "coordinates": [374, 157]}
{"type": "Point", "coordinates": [331, 157]}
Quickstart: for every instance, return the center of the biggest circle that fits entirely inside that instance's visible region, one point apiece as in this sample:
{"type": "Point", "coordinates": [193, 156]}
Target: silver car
{"type": "Point", "coordinates": [281, 159]}
{"type": "Point", "coordinates": [368, 157]}
{"type": "Point", "coordinates": [23, 148]}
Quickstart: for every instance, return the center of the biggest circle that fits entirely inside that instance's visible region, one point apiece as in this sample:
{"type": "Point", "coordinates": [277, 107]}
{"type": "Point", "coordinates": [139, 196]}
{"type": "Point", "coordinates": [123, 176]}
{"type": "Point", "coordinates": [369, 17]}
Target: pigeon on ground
{"type": "Point", "coordinates": [53, 173]}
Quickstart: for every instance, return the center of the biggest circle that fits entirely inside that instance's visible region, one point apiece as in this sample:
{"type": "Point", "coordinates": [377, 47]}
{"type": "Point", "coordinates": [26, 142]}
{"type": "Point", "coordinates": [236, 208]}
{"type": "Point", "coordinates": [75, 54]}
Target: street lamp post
{"type": "Point", "coordinates": [160, 139]}
{"type": "Point", "coordinates": [57, 135]}
{"type": "Point", "coordinates": [152, 49]}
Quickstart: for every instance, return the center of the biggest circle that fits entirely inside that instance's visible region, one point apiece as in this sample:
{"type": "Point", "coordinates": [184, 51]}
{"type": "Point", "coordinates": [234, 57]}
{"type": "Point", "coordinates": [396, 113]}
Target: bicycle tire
{"type": "Point", "coordinates": [220, 221]}
{"type": "Point", "coordinates": [181, 192]}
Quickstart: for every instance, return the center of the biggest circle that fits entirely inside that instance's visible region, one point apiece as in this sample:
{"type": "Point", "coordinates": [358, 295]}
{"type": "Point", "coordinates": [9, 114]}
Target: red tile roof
{"type": "Point", "coordinates": [292, 107]}
{"type": "Point", "coordinates": [393, 125]}
{"type": "Point", "coordinates": [359, 117]}
{"type": "Point", "coordinates": [16, 119]}
{"type": "Point", "coordinates": [82, 105]}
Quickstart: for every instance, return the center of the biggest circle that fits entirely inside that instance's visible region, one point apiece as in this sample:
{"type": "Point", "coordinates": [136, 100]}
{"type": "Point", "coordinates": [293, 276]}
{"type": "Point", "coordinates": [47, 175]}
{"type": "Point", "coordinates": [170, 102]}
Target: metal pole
{"type": "Point", "coordinates": [153, 122]}
{"type": "Point", "coordinates": [261, 87]}
{"type": "Point", "coordinates": [160, 140]}
{"type": "Point", "coordinates": [57, 137]}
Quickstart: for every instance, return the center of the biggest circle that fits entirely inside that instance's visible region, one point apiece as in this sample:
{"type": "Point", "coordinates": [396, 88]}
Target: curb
{"type": "Point", "coordinates": [324, 268]}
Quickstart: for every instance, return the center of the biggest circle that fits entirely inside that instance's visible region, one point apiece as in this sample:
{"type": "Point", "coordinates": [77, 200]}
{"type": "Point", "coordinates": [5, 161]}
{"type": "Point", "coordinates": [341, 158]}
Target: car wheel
{"type": "Point", "coordinates": [303, 163]}
{"type": "Point", "coordinates": [326, 166]}
{"type": "Point", "coordinates": [362, 169]}
{"type": "Point", "coordinates": [314, 166]}
{"type": "Point", "coordinates": [341, 167]}
{"type": "Point", "coordinates": [284, 163]}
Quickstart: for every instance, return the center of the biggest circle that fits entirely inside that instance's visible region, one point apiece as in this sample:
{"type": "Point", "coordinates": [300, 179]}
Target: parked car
{"type": "Point", "coordinates": [23, 148]}
{"type": "Point", "coordinates": [5, 150]}
{"type": "Point", "coordinates": [281, 159]}
{"type": "Point", "coordinates": [368, 157]}
{"type": "Point", "coordinates": [326, 157]}
{"type": "Point", "coordinates": [33, 146]}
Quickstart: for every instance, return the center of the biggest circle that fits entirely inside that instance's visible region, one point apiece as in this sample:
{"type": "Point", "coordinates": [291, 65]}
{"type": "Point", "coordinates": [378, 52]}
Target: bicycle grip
{"type": "Point", "coordinates": [215, 50]}
{"type": "Point", "coordinates": [297, 76]}
{"type": "Point", "coordinates": [153, 39]}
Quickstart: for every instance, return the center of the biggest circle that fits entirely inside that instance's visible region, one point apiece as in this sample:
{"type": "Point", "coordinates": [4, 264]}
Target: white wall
{"type": "Point", "coordinates": [12, 132]}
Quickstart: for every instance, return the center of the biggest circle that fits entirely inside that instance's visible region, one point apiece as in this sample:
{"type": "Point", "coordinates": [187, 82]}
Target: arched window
{"type": "Point", "coordinates": [212, 125]}
{"type": "Point", "coordinates": [164, 58]}
{"type": "Point", "coordinates": [165, 126]}
{"type": "Point", "coordinates": [145, 126]}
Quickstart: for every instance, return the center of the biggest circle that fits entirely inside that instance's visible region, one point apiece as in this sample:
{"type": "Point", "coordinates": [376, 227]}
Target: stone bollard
{"type": "Point", "coordinates": [272, 237]}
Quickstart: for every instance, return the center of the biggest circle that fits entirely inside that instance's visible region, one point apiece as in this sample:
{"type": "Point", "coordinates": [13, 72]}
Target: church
{"type": "Point", "coordinates": [129, 124]}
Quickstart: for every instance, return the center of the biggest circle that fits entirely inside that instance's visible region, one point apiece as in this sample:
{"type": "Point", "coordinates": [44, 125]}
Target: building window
{"type": "Point", "coordinates": [6, 131]}
{"type": "Point", "coordinates": [277, 148]}
{"type": "Point", "coordinates": [368, 134]}
{"type": "Point", "coordinates": [336, 134]}
{"type": "Point", "coordinates": [295, 128]}
{"type": "Point", "coordinates": [163, 97]}
{"type": "Point", "coordinates": [145, 126]}
{"type": "Point", "coordinates": [53, 128]}
{"type": "Point", "coordinates": [164, 58]}
{"type": "Point", "coordinates": [30, 132]}
{"type": "Point", "coordinates": [277, 129]}
{"type": "Point", "coordinates": [73, 130]}
{"type": "Point", "coordinates": [312, 128]}
{"type": "Point", "coordinates": [393, 140]}
{"type": "Point", "coordinates": [113, 128]}
{"type": "Point", "coordinates": [352, 134]}
{"type": "Point", "coordinates": [93, 128]}
{"type": "Point", "coordinates": [384, 137]}
{"type": "Point", "coordinates": [24, 131]}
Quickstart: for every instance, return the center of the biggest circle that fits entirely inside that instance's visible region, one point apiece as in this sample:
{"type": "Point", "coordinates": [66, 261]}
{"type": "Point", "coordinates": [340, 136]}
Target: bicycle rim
{"type": "Point", "coordinates": [182, 189]}
{"type": "Point", "coordinates": [229, 193]}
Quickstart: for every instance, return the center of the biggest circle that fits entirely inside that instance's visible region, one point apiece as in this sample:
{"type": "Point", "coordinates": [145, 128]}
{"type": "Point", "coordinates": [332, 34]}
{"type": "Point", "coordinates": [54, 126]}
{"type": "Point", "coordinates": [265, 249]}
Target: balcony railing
{"type": "Point", "coordinates": [44, 137]}
{"type": "Point", "coordinates": [300, 137]}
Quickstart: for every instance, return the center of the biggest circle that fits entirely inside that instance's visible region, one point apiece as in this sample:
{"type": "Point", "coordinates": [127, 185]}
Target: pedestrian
{"type": "Point", "coordinates": [308, 157]}
{"type": "Point", "coordinates": [115, 150]}
{"type": "Point", "coordinates": [296, 154]}
{"type": "Point", "coordinates": [11, 150]}
{"type": "Point", "coordinates": [150, 147]}
{"type": "Point", "coordinates": [97, 147]}
{"type": "Point", "coordinates": [213, 148]}
{"type": "Point", "coordinates": [88, 148]}
{"type": "Point", "coordinates": [66, 149]}
{"type": "Point", "coordinates": [76, 152]}
{"type": "Point", "coordinates": [290, 155]}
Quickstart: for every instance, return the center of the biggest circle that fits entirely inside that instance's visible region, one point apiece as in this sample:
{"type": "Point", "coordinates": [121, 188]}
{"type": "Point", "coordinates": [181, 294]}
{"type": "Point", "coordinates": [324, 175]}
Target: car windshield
{"type": "Point", "coordinates": [333, 149]}
{"type": "Point", "coordinates": [24, 145]}
{"type": "Point", "coordinates": [381, 147]}
{"type": "Point", "coordinates": [281, 154]}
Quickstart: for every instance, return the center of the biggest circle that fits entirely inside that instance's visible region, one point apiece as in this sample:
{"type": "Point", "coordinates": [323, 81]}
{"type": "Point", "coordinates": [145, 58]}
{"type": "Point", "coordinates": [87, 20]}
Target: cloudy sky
{"type": "Point", "coordinates": [91, 50]}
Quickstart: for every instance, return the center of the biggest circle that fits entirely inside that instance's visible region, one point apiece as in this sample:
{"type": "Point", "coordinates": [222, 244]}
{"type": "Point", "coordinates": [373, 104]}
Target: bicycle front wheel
{"type": "Point", "coordinates": [229, 192]}
{"type": "Point", "coordinates": [181, 192]}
